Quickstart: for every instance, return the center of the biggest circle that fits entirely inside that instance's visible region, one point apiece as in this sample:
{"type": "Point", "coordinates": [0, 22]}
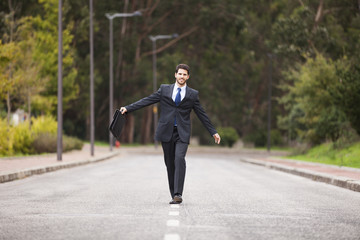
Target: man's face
{"type": "Point", "coordinates": [181, 77]}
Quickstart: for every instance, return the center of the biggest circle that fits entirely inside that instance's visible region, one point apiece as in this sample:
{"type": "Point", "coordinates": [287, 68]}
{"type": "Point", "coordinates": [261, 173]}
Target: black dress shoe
{"type": "Point", "coordinates": [178, 198]}
{"type": "Point", "coordinates": [173, 202]}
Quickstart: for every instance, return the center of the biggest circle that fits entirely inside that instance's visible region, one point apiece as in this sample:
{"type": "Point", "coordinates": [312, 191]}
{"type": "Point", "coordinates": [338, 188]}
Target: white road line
{"type": "Point", "coordinates": [174, 213]}
{"type": "Point", "coordinates": [172, 223]}
{"type": "Point", "coordinates": [172, 237]}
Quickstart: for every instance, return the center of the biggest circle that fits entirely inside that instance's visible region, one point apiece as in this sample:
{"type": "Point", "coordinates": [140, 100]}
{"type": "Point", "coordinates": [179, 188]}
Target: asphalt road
{"type": "Point", "coordinates": [127, 198]}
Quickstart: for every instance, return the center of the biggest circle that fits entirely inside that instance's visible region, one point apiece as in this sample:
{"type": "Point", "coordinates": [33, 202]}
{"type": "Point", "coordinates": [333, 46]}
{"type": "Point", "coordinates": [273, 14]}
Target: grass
{"type": "Point", "coordinates": [275, 148]}
{"type": "Point", "coordinates": [106, 144]}
{"type": "Point", "coordinates": [327, 154]}
{"type": "Point", "coordinates": [98, 143]}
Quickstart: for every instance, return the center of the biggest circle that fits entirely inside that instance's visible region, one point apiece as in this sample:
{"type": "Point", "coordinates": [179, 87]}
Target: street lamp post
{"type": "Point", "coordinates": [92, 114]}
{"type": "Point", "coordinates": [153, 39]}
{"type": "Point", "coordinates": [59, 104]}
{"type": "Point", "coordinates": [271, 56]}
{"type": "Point", "coordinates": [111, 16]}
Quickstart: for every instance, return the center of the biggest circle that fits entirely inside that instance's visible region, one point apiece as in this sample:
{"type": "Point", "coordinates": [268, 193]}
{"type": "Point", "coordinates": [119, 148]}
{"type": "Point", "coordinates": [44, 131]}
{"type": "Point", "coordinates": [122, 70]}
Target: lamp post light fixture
{"type": "Point", "coordinates": [154, 39]}
{"type": "Point", "coordinates": [111, 16]}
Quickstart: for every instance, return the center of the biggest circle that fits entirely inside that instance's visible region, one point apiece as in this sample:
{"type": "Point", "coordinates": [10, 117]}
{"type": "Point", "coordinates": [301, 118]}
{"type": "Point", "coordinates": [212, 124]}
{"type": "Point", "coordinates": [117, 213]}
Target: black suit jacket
{"type": "Point", "coordinates": [169, 110]}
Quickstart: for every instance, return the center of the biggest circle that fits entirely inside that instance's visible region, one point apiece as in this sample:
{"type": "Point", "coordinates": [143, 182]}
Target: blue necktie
{"type": "Point", "coordinates": [177, 101]}
{"type": "Point", "coordinates": [178, 97]}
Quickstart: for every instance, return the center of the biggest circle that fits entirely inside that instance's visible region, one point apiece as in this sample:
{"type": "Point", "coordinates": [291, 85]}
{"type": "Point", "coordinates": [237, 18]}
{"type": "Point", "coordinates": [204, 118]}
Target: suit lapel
{"type": "Point", "coordinates": [171, 89]}
{"type": "Point", "coordinates": [187, 94]}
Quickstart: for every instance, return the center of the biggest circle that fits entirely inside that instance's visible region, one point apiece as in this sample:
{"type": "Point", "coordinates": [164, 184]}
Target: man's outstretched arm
{"type": "Point", "coordinates": [153, 98]}
{"type": "Point", "coordinates": [200, 112]}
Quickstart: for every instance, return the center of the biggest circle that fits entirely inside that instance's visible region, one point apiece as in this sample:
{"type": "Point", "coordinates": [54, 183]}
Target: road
{"type": "Point", "coordinates": [127, 198]}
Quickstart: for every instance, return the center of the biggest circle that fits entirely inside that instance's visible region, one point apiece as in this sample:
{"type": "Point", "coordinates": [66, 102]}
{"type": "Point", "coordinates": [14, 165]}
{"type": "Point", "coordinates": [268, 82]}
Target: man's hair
{"type": "Point", "coordinates": [182, 66]}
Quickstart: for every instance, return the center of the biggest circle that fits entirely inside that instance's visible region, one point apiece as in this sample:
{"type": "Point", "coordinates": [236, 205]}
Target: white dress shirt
{"type": "Point", "coordinates": [182, 92]}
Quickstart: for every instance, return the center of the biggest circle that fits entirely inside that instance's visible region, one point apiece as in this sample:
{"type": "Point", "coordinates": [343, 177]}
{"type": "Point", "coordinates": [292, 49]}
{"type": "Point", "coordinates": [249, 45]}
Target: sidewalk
{"type": "Point", "coordinates": [13, 168]}
{"type": "Point", "coordinates": [344, 177]}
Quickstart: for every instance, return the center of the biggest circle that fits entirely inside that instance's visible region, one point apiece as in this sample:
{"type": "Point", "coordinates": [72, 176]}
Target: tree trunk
{"type": "Point", "coordinates": [146, 126]}
{"type": "Point", "coordinates": [128, 132]}
{"type": "Point", "coordinates": [319, 14]}
{"type": "Point", "coordinates": [29, 109]}
{"type": "Point", "coordinates": [10, 75]}
{"type": "Point", "coordinates": [8, 107]}
{"type": "Point", "coordinates": [122, 37]}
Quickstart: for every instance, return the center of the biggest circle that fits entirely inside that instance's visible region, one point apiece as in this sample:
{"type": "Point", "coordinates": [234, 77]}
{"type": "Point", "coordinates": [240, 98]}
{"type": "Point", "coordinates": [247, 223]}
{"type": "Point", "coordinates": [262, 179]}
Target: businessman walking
{"type": "Point", "coordinates": [174, 127]}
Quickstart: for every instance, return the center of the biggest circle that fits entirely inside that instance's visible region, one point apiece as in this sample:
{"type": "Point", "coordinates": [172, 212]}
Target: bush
{"type": "Point", "coordinates": [6, 139]}
{"type": "Point", "coordinates": [15, 139]}
{"type": "Point", "coordinates": [44, 129]}
{"type": "Point", "coordinates": [43, 124]}
{"type": "Point", "coordinates": [275, 138]}
{"type": "Point", "coordinates": [72, 143]}
{"type": "Point", "coordinates": [228, 136]}
{"type": "Point", "coordinates": [47, 143]}
{"type": "Point", "coordinates": [259, 138]}
{"type": "Point", "coordinates": [41, 138]}
{"type": "Point", "coordinates": [22, 138]}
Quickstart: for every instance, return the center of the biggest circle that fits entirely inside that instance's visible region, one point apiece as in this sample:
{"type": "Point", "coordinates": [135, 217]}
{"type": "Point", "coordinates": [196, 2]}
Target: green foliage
{"type": "Point", "coordinates": [314, 116]}
{"type": "Point", "coordinates": [6, 139]}
{"type": "Point", "coordinates": [72, 143]}
{"type": "Point", "coordinates": [46, 53]}
{"type": "Point", "coordinates": [41, 138]}
{"type": "Point", "coordinates": [258, 138]}
{"type": "Point", "coordinates": [276, 138]}
{"type": "Point", "coordinates": [226, 44]}
{"type": "Point", "coordinates": [228, 136]}
{"type": "Point", "coordinates": [22, 138]}
{"type": "Point", "coordinates": [9, 53]}
{"type": "Point", "coordinates": [291, 34]}
{"type": "Point", "coordinates": [28, 63]}
{"type": "Point", "coordinates": [44, 124]}
{"type": "Point", "coordinates": [347, 95]}
{"type": "Point", "coordinates": [328, 153]}
{"type": "Point", "coordinates": [15, 139]}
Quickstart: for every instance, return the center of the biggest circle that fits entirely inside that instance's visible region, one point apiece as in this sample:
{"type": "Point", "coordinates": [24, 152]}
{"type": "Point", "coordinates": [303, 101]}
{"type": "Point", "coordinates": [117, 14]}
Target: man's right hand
{"type": "Point", "coordinates": [123, 110]}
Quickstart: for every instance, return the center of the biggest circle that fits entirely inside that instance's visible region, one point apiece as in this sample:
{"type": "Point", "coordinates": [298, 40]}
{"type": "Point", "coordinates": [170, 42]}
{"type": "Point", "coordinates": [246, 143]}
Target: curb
{"type": "Point", "coordinates": [343, 182]}
{"type": "Point", "coordinates": [11, 176]}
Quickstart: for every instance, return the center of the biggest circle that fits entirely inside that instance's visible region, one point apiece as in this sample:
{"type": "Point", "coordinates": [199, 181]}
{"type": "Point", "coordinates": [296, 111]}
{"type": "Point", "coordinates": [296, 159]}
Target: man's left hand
{"type": "Point", "coordinates": [217, 138]}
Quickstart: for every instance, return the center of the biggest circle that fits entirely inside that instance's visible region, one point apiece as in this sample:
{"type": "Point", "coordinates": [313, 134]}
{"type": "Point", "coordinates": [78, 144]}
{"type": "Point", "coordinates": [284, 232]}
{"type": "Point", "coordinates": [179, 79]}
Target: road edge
{"type": "Point", "coordinates": [16, 175]}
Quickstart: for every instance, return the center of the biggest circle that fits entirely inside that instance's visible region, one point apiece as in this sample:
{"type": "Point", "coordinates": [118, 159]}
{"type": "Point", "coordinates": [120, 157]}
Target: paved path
{"type": "Point", "coordinates": [14, 168]}
{"type": "Point", "coordinates": [126, 197]}
{"type": "Point", "coordinates": [21, 167]}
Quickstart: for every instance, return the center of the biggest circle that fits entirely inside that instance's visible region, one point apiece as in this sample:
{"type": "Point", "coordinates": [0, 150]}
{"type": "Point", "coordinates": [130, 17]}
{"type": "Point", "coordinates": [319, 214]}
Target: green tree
{"type": "Point", "coordinates": [9, 54]}
{"type": "Point", "coordinates": [46, 53]}
{"type": "Point", "coordinates": [347, 95]}
{"type": "Point", "coordinates": [319, 117]}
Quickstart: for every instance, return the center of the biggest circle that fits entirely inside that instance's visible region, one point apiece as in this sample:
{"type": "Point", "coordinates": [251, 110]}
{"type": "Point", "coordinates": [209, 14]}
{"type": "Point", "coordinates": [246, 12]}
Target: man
{"type": "Point", "coordinates": [173, 131]}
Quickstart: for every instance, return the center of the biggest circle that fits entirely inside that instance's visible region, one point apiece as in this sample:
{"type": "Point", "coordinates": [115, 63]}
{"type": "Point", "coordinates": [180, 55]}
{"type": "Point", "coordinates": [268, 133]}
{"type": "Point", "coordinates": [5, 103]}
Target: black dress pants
{"type": "Point", "coordinates": [174, 156]}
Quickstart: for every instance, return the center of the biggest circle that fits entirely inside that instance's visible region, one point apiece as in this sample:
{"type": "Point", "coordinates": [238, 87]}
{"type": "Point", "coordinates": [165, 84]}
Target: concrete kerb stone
{"type": "Point", "coordinates": [11, 176]}
{"type": "Point", "coordinates": [315, 176]}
